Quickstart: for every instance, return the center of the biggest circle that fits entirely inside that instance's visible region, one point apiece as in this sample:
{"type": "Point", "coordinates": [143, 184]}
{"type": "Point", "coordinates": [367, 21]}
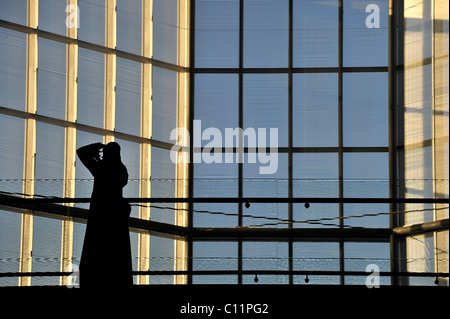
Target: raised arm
{"type": "Point", "coordinates": [90, 156]}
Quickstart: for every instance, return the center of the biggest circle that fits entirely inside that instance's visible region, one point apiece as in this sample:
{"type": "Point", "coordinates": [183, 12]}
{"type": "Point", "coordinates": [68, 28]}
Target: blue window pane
{"type": "Point", "coordinates": [164, 104]}
{"type": "Point", "coordinates": [10, 235]}
{"type": "Point", "coordinates": [315, 110]}
{"type": "Point", "coordinates": [92, 21]}
{"type": "Point", "coordinates": [266, 24]}
{"type": "Point", "coordinates": [365, 41]}
{"type": "Point", "coordinates": [91, 93]}
{"type": "Point", "coordinates": [217, 34]}
{"type": "Point", "coordinates": [165, 30]}
{"type": "Point", "coordinates": [128, 97]}
{"type": "Point", "coordinates": [365, 108]}
{"type": "Point", "coordinates": [52, 16]}
{"type": "Point", "coordinates": [129, 26]}
{"type": "Point", "coordinates": [14, 11]}
{"type": "Point", "coordinates": [315, 33]}
{"type": "Point", "coordinates": [51, 95]}
{"type": "Point", "coordinates": [13, 54]}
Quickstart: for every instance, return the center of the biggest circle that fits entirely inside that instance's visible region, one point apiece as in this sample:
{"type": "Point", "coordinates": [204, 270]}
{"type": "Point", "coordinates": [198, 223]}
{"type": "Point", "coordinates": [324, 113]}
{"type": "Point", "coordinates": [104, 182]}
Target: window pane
{"type": "Point", "coordinates": [163, 184]}
{"type": "Point", "coordinates": [91, 93]}
{"type": "Point", "coordinates": [315, 110]}
{"type": "Point", "coordinates": [365, 34]}
{"type": "Point", "coordinates": [46, 249]}
{"type": "Point", "coordinates": [266, 24]}
{"type": "Point", "coordinates": [217, 34]}
{"type": "Point", "coordinates": [365, 108]}
{"type": "Point", "coordinates": [164, 104]}
{"type": "Point", "coordinates": [13, 54]}
{"type": "Point", "coordinates": [10, 236]}
{"type": "Point", "coordinates": [265, 256]}
{"type": "Point", "coordinates": [49, 160]}
{"type": "Point", "coordinates": [11, 153]}
{"type": "Point", "coordinates": [215, 256]}
{"type": "Point", "coordinates": [52, 16]}
{"type": "Point", "coordinates": [315, 38]}
{"type": "Point", "coordinates": [165, 30]}
{"type": "Point", "coordinates": [266, 104]}
{"type": "Point", "coordinates": [128, 97]}
{"type": "Point", "coordinates": [360, 255]}
{"type": "Point", "coordinates": [316, 256]}
{"type": "Point", "coordinates": [129, 25]}
{"type": "Point", "coordinates": [51, 95]}
{"type": "Point", "coordinates": [162, 258]}
{"type": "Point", "coordinates": [14, 11]}
{"type": "Point", "coordinates": [92, 21]}
{"type": "Point", "coordinates": [216, 103]}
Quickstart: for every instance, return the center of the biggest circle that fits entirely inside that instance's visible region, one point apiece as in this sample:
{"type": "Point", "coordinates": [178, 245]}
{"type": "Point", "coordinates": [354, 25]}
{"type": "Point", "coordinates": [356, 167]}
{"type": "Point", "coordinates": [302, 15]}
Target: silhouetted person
{"type": "Point", "coordinates": [106, 254]}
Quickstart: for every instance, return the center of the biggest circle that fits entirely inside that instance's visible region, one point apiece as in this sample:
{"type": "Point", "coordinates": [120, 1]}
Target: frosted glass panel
{"type": "Point", "coordinates": [13, 53]}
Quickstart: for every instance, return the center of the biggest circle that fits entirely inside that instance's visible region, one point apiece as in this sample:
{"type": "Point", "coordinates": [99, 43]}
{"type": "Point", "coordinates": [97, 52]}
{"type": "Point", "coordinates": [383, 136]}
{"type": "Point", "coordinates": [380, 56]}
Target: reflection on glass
{"type": "Point", "coordinates": [129, 24]}
{"type": "Point", "coordinates": [165, 30]}
{"type": "Point", "coordinates": [92, 25]}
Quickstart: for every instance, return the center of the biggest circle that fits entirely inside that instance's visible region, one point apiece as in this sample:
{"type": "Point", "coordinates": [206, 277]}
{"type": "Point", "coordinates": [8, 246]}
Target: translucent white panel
{"type": "Point", "coordinates": [128, 97]}
{"type": "Point", "coordinates": [366, 33]}
{"type": "Point", "coordinates": [266, 24]}
{"type": "Point", "coordinates": [49, 160]}
{"type": "Point", "coordinates": [164, 104]}
{"type": "Point", "coordinates": [129, 25]}
{"type": "Point", "coordinates": [217, 34]}
{"type": "Point", "coordinates": [265, 256]}
{"type": "Point", "coordinates": [10, 234]}
{"type": "Point", "coordinates": [357, 256]}
{"type": "Point", "coordinates": [165, 30]}
{"type": "Point", "coordinates": [215, 256]}
{"type": "Point", "coordinates": [13, 53]}
{"type": "Point", "coordinates": [316, 256]}
{"type": "Point", "coordinates": [51, 95]}
{"type": "Point", "coordinates": [421, 257]}
{"type": "Point", "coordinates": [315, 110]}
{"type": "Point", "coordinates": [365, 108]}
{"type": "Point", "coordinates": [46, 249]}
{"type": "Point", "coordinates": [163, 184]}
{"type": "Point", "coordinates": [92, 21]}
{"type": "Point", "coordinates": [14, 11]}
{"type": "Point", "coordinates": [52, 16]}
{"type": "Point", "coordinates": [11, 153]}
{"type": "Point", "coordinates": [418, 29]}
{"type": "Point", "coordinates": [315, 33]}
{"type": "Point", "coordinates": [91, 94]}
{"type": "Point", "coordinates": [216, 103]}
{"type": "Point", "coordinates": [266, 104]}
{"type": "Point", "coordinates": [315, 175]}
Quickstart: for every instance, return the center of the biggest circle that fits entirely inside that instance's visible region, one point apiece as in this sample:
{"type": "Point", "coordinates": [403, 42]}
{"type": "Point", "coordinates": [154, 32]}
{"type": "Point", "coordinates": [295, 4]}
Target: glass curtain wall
{"type": "Point", "coordinates": [318, 72]}
{"type": "Point", "coordinates": [81, 72]}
